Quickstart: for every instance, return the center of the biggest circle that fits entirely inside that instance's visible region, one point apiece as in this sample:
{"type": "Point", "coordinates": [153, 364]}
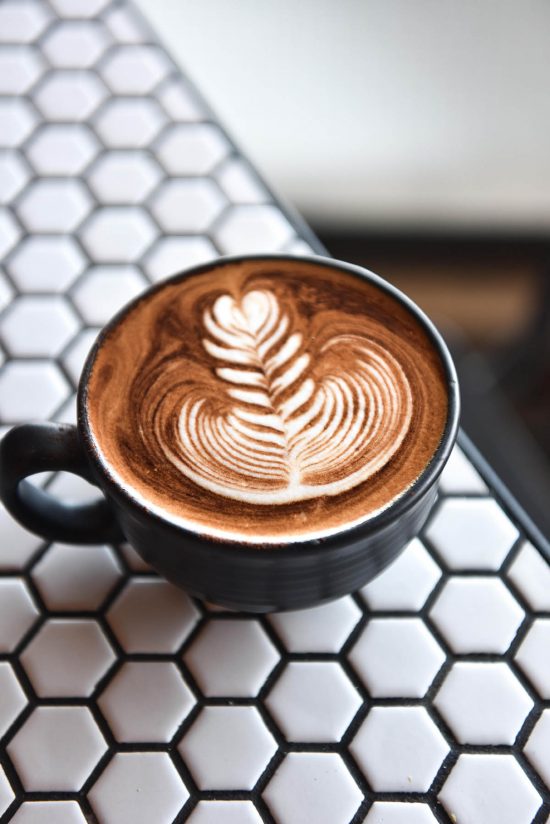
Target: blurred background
{"type": "Point", "coordinates": [413, 137]}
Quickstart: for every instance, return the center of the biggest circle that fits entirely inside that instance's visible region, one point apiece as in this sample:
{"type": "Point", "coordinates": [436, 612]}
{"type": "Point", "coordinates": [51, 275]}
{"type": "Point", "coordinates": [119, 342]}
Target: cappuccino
{"type": "Point", "coordinates": [266, 401]}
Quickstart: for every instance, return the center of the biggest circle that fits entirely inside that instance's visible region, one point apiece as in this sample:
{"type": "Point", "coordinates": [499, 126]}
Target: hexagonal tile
{"type": "Point", "coordinates": [13, 174]}
{"type": "Point", "coordinates": [239, 183]}
{"type": "Point", "coordinates": [62, 149]}
{"type": "Point", "coordinates": [399, 749]}
{"type": "Point", "coordinates": [187, 205]}
{"type": "Point", "coordinates": [75, 355]}
{"type": "Point", "coordinates": [14, 699]}
{"type": "Point", "coordinates": [146, 701]}
{"type": "Point", "coordinates": [17, 120]}
{"type": "Point", "coordinates": [320, 629]}
{"type": "Point", "coordinates": [312, 786]}
{"type": "Point", "coordinates": [231, 657]}
{"type": "Point", "coordinates": [77, 578]}
{"type": "Point", "coordinates": [6, 291]}
{"type": "Point", "coordinates": [483, 703]}
{"type": "Point", "coordinates": [78, 8]}
{"type": "Point", "coordinates": [124, 177]}
{"type": "Point", "coordinates": [533, 657]}
{"type": "Point", "coordinates": [118, 234]}
{"type": "Point", "coordinates": [134, 561]}
{"type": "Point", "coordinates": [21, 22]}
{"type": "Point", "coordinates": [180, 101]}
{"type": "Point", "coordinates": [537, 748]}
{"type": "Point", "coordinates": [227, 748]}
{"type": "Point", "coordinates": [459, 475]}
{"type": "Point", "coordinates": [135, 69]}
{"type": "Point", "coordinates": [6, 793]}
{"type": "Point", "coordinates": [75, 45]}
{"type": "Point", "coordinates": [138, 786]}
{"type": "Point", "coordinates": [224, 812]}
{"type": "Point", "coordinates": [54, 205]}
{"type": "Point", "coordinates": [399, 812]}
{"type": "Point", "coordinates": [313, 701]}
{"type": "Point", "coordinates": [406, 583]}
{"type": "Point", "coordinates": [49, 812]}
{"type": "Point", "coordinates": [9, 232]}
{"type": "Point", "coordinates": [192, 149]}
{"type": "Point", "coordinates": [72, 489]}
{"type": "Point", "coordinates": [151, 615]}
{"type": "Point", "coordinates": [46, 264]}
{"type": "Point", "coordinates": [30, 390]}
{"type": "Point", "coordinates": [17, 612]}
{"type": "Point", "coordinates": [69, 95]}
{"type": "Point", "coordinates": [56, 749]}
{"type": "Point", "coordinates": [124, 25]}
{"type": "Point", "coordinates": [129, 123]}
{"type": "Point", "coordinates": [20, 67]}
{"type": "Point", "coordinates": [172, 254]}
{"type": "Point", "coordinates": [17, 546]}
{"type": "Point", "coordinates": [297, 246]}
{"type": "Point", "coordinates": [396, 657]}
{"type": "Point", "coordinates": [489, 788]}
{"type": "Point", "coordinates": [249, 229]}
{"type": "Point", "coordinates": [477, 614]}
{"type": "Point", "coordinates": [51, 319]}
{"type": "Point", "coordinates": [105, 290]}
{"type": "Point", "coordinates": [531, 575]}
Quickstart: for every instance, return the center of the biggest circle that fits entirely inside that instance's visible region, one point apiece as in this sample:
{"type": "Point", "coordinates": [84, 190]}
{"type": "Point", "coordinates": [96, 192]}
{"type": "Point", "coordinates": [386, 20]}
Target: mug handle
{"type": "Point", "coordinates": [41, 447]}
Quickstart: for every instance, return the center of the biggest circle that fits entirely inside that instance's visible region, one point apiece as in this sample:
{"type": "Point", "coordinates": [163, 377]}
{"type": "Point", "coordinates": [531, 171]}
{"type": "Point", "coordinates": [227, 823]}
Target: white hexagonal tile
{"type": "Point", "coordinates": [46, 264]}
{"type": "Point", "coordinates": [75, 45]}
{"type": "Point", "coordinates": [20, 67]}
{"type": "Point", "coordinates": [67, 412]}
{"type": "Point", "coordinates": [489, 788]}
{"type": "Point", "coordinates": [459, 475]}
{"type": "Point", "coordinates": [533, 656]}
{"type": "Point", "coordinates": [6, 291]}
{"type": "Point", "coordinates": [13, 700]}
{"type": "Point", "coordinates": [124, 177]}
{"type": "Point", "coordinates": [62, 149]}
{"type": "Point", "coordinates": [232, 657]}
{"type": "Point", "coordinates": [250, 229]}
{"type": "Point", "coordinates": [315, 787]}
{"type": "Point", "coordinates": [17, 612]}
{"type": "Point", "coordinates": [172, 254]}
{"type": "Point", "coordinates": [146, 701]}
{"type": "Point", "coordinates": [9, 232]}
{"type": "Point", "coordinates": [51, 319]}
{"type": "Point", "coordinates": [397, 657]}
{"type": "Point", "coordinates": [138, 787]}
{"type": "Point", "coordinates": [49, 812]}
{"type": "Point", "coordinates": [6, 793]}
{"type": "Point", "coordinates": [78, 8]}
{"type": "Point", "coordinates": [399, 749]}
{"type": "Point", "coordinates": [75, 356]}
{"type": "Point", "coordinates": [192, 149]}
{"type": "Point", "coordinates": [180, 101]}
{"type": "Point", "coordinates": [17, 546]}
{"type": "Point", "coordinates": [105, 290]}
{"type": "Point", "coordinates": [69, 95]}
{"type": "Point", "coordinates": [537, 748]}
{"type": "Point", "coordinates": [477, 614]}
{"type": "Point", "coordinates": [297, 246]}
{"type": "Point", "coordinates": [187, 205]}
{"type": "Point", "coordinates": [118, 234]}
{"type": "Point", "coordinates": [313, 701]}
{"type": "Point", "coordinates": [13, 174]}
{"type": "Point", "coordinates": [17, 120]}
{"type": "Point", "coordinates": [151, 615]}
{"type": "Point", "coordinates": [472, 533]}
{"type": "Point", "coordinates": [30, 390]}
{"type": "Point", "coordinates": [239, 183]}
{"type": "Point", "coordinates": [134, 561]}
{"type": "Point", "coordinates": [76, 578]}
{"type": "Point", "coordinates": [227, 748]}
{"type": "Point", "coordinates": [483, 703]}
{"type": "Point", "coordinates": [21, 22]}
{"type": "Point", "coordinates": [56, 749]}
{"type": "Point", "coordinates": [54, 205]}
{"type": "Point", "coordinates": [531, 575]}
{"type": "Point", "coordinates": [72, 489]}
{"type": "Point", "coordinates": [129, 123]}
{"type": "Point", "coordinates": [320, 629]}
{"type": "Point", "coordinates": [406, 583]}
{"type": "Point", "coordinates": [124, 25]}
{"type": "Point", "coordinates": [135, 69]}
{"type": "Point", "coordinates": [399, 812]}
{"type": "Point", "coordinates": [224, 812]}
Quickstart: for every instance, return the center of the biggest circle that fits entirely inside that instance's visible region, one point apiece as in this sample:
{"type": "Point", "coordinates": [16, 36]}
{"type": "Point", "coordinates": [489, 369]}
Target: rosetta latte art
{"type": "Point", "coordinates": [280, 423]}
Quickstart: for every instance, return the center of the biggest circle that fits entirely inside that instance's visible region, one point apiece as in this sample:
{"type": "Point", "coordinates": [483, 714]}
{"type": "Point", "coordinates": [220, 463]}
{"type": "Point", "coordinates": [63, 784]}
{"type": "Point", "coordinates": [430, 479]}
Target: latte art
{"type": "Point", "coordinates": [296, 429]}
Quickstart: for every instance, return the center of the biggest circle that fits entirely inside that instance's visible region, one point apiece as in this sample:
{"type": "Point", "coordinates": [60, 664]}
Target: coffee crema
{"type": "Point", "coordinates": [267, 401]}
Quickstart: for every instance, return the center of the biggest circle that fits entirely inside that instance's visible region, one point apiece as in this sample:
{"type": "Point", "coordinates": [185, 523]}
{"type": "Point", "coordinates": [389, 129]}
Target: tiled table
{"type": "Point", "coordinates": [423, 698]}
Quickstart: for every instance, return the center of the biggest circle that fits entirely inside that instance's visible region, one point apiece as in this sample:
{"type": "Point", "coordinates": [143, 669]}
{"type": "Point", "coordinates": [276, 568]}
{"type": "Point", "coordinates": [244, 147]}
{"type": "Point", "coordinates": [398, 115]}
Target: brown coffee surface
{"type": "Point", "coordinates": [267, 401]}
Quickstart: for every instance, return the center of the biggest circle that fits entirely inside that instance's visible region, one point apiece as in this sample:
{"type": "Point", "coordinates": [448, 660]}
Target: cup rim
{"type": "Point", "coordinates": [348, 535]}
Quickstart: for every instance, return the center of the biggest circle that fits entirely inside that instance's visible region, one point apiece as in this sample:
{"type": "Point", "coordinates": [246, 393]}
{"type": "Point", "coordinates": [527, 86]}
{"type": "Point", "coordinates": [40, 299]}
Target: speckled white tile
{"type": "Point", "coordinates": [192, 149]}
{"type": "Point", "coordinates": [533, 656]}
{"type": "Point", "coordinates": [173, 254]}
{"type": "Point", "coordinates": [397, 812]}
{"type": "Point", "coordinates": [312, 787]}
{"type": "Point", "coordinates": [118, 234]}
{"type": "Point", "coordinates": [138, 787]}
{"type": "Point", "coordinates": [313, 701]}
{"type": "Point", "coordinates": [124, 177]}
{"type": "Point", "coordinates": [17, 612]}
{"type": "Point", "coordinates": [56, 749]}
{"type": "Point", "coordinates": [6, 793]}
{"type": "Point", "coordinates": [75, 578]}
{"type": "Point", "coordinates": [396, 657]}
{"type": "Point", "coordinates": [224, 812]}
{"type": "Point", "coordinates": [124, 25]}
{"type": "Point", "coordinates": [78, 8]}
{"type": "Point", "coordinates": [459, 476]}
{"type": "Point", "coordinates": [69, 95]}
{"type": "Point", "coordinates": [151, 615]}
{"type": "Point", "coordinates": [124, 123]}
{"type": "Point", "coordinates": [54, 205]}
{"type": "Point", "coordinates": [492, 789]}
{"type": "Point", "coordinates": [104, 290]}
{"type": "Point", "coordinates": [51, 319]}
{"type": "Point", "coordinates": [75, 44]}
{"type": "Point", "coordinates": [146, 701]}
{"type": "Point", "coordinates": [179, 102]}
{"type": "Point", "coordinates": [227, 748]}
{"type": "Point", "coordinates": [46, 264]}
{"type": "Point", "coordinates": [13, 175]}
{"type": "Point", "coordinates": [17, 120]}
{"type": "Point", "coordinates": [231, 658]}
{"type": "Point", "coordinates": [399, 749]}
{"type": "Point", "coordinates": [249, 229]}
{"type": "Point", "coordinates": [135, 69]}
{"type": "Point", "coordinates": [537, 748]}
{"type": "Point", "coordinates": [9, 232]}
{"type": "Point", "coordinates": [49, 812]}
{"type": "Point", "coordinates": [239, 183]}
{"type": "Point", "coordinates": [477, 614]}
{"type": "Point", "coordinates": [62, 149]}
{"type": "Point", "coordinates": [13, 700]}
{"type": "Point", "coordinates": [531, 575]}
{"type": "Point", "coordinates": [406, 583]}
{"type": "Point", "coordinates": [30, 390]}
{"type": "Point", "coordinates": [182, 205]}
{"type": "Point", "coordinates": [17, 546]}
{"type": "Point", "coordinates": [22, 21]}
{"type": "Point", "coordinates": [483, 703]}
{"type": "Point", "coordinates": [75, 356]}
{"type": "Point", "coordinates": [320, 629]}
{"type": "Point", "coordinates": [20, 67]}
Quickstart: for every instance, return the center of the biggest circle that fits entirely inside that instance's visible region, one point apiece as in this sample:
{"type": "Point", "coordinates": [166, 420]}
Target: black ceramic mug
{"type": "Point", "coordinates": [234, 574]}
